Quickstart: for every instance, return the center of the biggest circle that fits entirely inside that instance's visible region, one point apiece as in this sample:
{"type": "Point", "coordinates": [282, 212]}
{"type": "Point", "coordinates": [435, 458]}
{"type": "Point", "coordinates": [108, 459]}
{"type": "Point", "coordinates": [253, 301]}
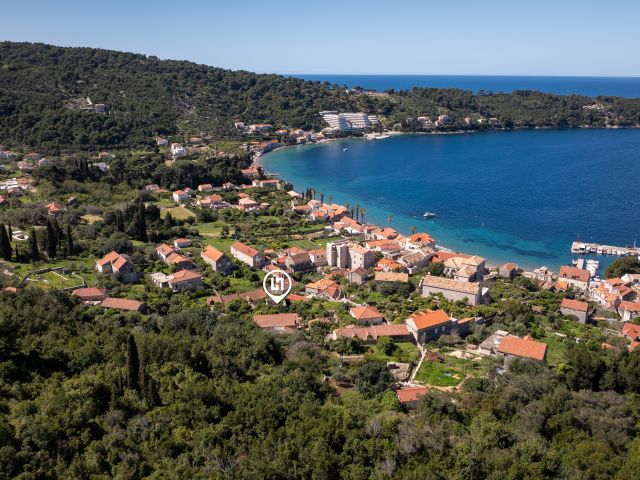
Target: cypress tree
{"type": "Point", "coordinates": [9, 230]}
{"type": "Point", "coordinates": [133, 363]}
{"type": "Point", "coordinates": [52, 240]}
{"type": "Point", "coordinates": [119, 221]}
{"type": "Point", "coordinates": [140, 224]}
{"type": "Point", "coordinates": [34, 252]}
{"type": "Point", "coordinates": [69, 238]}
{"type": "Point", "coordinates": [5, 244]}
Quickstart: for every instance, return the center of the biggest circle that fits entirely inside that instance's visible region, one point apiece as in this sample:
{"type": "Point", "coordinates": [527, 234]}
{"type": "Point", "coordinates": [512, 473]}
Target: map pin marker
{"type": "Point", "coordinates": [277, 285]}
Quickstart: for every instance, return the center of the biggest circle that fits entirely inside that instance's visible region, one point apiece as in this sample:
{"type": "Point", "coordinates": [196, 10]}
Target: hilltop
{"type": "Point", "coordinates": [69, 99]}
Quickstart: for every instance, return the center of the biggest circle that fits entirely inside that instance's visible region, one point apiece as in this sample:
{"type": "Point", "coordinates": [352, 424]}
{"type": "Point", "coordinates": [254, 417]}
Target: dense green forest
{"type": "Point", "coordinates": [145, 96]}
{"type": "Point", "coordinates": [92, 394]}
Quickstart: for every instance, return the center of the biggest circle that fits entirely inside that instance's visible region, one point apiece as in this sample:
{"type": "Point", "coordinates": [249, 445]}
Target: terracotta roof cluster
{"type": "Point", "coordinates": [391, 277]}
{"type": "Point", "coordinates": [125, 304]}
{"type": "Point", "coordinates": [115, 259]}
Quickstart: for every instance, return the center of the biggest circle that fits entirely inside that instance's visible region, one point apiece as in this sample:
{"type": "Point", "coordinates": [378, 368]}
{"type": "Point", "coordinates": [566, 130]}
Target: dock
{"type": "Point", "coordinates": [586, 248]}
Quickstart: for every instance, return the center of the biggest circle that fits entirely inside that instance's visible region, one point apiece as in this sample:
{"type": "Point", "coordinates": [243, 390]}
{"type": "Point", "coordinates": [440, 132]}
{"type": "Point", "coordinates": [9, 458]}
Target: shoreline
{"type": "Point", "coordinates": [452, 239]}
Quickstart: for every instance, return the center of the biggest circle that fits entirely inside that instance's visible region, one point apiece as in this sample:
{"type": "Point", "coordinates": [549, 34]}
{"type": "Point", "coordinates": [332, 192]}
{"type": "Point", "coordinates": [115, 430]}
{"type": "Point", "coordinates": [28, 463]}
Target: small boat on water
{"type": "Point", "coordinates": [428, 214]}
{"type": "Point", "coordinates": [345, 149]}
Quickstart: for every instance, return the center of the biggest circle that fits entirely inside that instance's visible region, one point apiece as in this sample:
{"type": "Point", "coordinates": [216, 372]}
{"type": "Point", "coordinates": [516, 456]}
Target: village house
{"type": "Point", "coordinates": [578, 309]}
{"type": "Point", "coordinates": [152, 187]}
{"type": "Point", "coordinates": [386, 233]}
{"type": "Point", "coordinates": [253, 297]}
{"type": "Point", "coordinates": [629, 310]}
{"type": "Point", "coordinates": [430, 325]}
{"type": "Point", "coordinates": [251, 172]}
{"type": "Point", "coordinates": [348, 226]}
{"type": "Point", "coordinates": [260, 128]}
{"type": "Point", "coordinates": [180, 196]}
{"type": "Point", "coordinates": [388, 265]}
{"type": "Point", "coordinates": [162, 142]}
{"type": "Point", "coordinates": [90, 295]}
{"type": "Point", "coordinates": [26, 166]}
{"type": "Point", "coordinates": [318, 257]}
{"type": "Point", "coordinates": [508, 270]}
{"type": "Point", "coordinates": [182, 242]}
{"type": "Point", "coordinates": [345, 254]}
{"type": "Point", "coordinates": [177, 150]}
{"type": "Point", "coordinates": [180, 281]}
{"type": "Point", "coordinates": [453, 290]}
{"type": "Point", "coordinates": [512, 347]}
{"type": "Point", "coordinates": [124, 304]}
{"type": "Point", "coordinates": [247, 203]}
{"type": "Point", "coordinates": [414, 260]}
{"type": "Point", "coordinates": [386, 247]}
{"type": "Point", "coordinates": [631, 331]}
{"type": "Point", "coordinates": [278, 322]}
{"type": "Point", "coordinates": [324, 288]}
{"type": "Point", "coordinates": [401, 277]}
{"type": "Point", "coordinates": [299, 262]}
{"type": "Point", "coordinates": [218, 261]}
{"type": "Point", "coordinates": [54, 209]}
{"type": "Point", "coordinates": [179, 262]}
{"type": "Point", "coordinates": [163, 251]}
{"type": "Point", "coordinates": [418, 241]}
{"type": "Point", "coordinates": [465, 268]}
{"type": "Point", "coordinates": [266, 183]}
{"type": "Point", "coordinates": [247, 255]}
{"type": "Point", "coordinates": [409, 397]}
{"type": "Point", "coordinates": [397, 332]}
{"type": "Point", "coordinates": [367, 315]}
{"type": "Point", "coordinates": [118, 265]}
{"type": "Point", "coordinates": [210, 201]}
{"type": "Point", "coordinates": [205, 187]}
{"type": "Point", "coordinates": [358, 276]}
{"type": "Point", "coordinates": [576, 277]}
{"type": "Point", "coordinates": [32, 157]}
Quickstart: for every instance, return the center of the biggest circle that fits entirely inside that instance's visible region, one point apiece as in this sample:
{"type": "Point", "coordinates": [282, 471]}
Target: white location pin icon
{"type": "Point", "coordinates": [277, 285]}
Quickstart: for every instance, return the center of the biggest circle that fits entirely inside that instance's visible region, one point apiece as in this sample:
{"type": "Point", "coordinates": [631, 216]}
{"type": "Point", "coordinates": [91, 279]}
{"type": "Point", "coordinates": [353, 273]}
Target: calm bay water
{"type": "Point", "coordinates": [589, 86]}
{"type": "Point", "coordinates": [520, 196]}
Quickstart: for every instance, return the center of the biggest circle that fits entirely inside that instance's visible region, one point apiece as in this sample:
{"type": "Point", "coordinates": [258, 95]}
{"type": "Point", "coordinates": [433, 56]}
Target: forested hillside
{"type": "Point", "coordinates": [86, 393]}
{"type": "Point", "coordinates": [41, 87]}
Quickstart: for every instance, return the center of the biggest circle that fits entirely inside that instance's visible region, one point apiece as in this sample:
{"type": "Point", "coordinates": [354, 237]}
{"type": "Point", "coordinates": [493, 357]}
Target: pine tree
{"type": "Point", "coordinates": [133, 363]}
{"type": "Point", "coordinates": [34, 252]}
{"type": "Point", "coordinates": [5, 243]}
{"type": "Point", "coordinates": [52, 240]}
{"type": "Point", "coordinates": [69, 238]}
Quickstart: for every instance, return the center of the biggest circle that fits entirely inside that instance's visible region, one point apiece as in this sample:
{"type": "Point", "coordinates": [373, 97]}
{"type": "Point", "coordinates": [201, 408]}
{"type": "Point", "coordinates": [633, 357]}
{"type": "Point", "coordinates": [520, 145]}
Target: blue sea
{"type": "Point", "coordinates": [589, 86]}
{"type": "Point", "coordinates": [521, 196]}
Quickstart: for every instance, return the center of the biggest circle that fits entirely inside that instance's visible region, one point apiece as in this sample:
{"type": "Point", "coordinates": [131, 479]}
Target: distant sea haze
{"type": "Point", "coordinates": [589, 86]}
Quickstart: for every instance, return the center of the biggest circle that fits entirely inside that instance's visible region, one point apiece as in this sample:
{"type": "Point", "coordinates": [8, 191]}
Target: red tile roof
{"type": "Point", "coordinates": [523, 347]}
{"type": "Point", "coordinates": [430, 319]}
{"type": "Point", "coordinates": [574, 273]}
{"type": "Point", "coordinates": [212, 253]}
{"type": "Point", "coordinates": [410, 394]}
{"type": "Point", "coordinates": [574, 305]}
{"type": "Point", "coordinates": [277, 320]}
{"type": "Point", "coordinates": [122, 304]}
{"type": "Point", "coordinates": [245, 249]}
{"type": "Point", "coordinates": [89, 293]}
{"type": "Point", "coordinates": [366, 312]}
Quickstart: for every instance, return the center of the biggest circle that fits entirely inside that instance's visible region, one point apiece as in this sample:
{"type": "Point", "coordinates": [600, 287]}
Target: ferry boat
{"type": "Point", "coordinates": [428, 214]}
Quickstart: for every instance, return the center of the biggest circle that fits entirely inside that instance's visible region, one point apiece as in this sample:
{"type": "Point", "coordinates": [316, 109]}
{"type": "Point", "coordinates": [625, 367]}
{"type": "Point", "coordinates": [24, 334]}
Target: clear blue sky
{"type": "Point", "coordinates": [500, 37]}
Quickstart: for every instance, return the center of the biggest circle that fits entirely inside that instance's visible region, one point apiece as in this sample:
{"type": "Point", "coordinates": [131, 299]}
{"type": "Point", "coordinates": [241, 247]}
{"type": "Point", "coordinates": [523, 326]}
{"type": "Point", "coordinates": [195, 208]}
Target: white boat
{"type": "Point", "coordinates": [381, 137]}
{"type": "Point", "coordinates": [428, 214]}
{"type": "Point", "coordinates": [345, 149]}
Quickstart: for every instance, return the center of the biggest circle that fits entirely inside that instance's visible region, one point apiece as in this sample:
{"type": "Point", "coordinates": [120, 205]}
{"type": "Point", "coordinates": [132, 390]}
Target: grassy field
{"type": "Point", "coordinates": [179, 213]}
{"type": "Point", "coordinates": [209, 229]}
{"type": "Point", "coordinates": [91, 218]}
{"type": "Point", "coordinates": [439, 374]}
{"type": "Point", "coordinates": [56, 280]}
{"type": "Point", "coordinates": [405, 352]}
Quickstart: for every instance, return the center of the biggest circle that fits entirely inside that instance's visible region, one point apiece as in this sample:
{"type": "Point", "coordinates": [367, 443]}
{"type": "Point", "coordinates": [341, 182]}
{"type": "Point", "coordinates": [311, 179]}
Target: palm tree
{"type": "Point", "coordinates": [413, 229]}
{"type": "Point", "coordinates": [362, 212]}
{"type": "Point", "coordinates": [321, 197]}
{"type": "Point", "coordinates": [330, 199]}
{"type": "Point", "coordinates": [312, 191]}
{"type": "Point", "coordinates": [390, 219]}
{"type": "Point", "coordinates": [357, 212]}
